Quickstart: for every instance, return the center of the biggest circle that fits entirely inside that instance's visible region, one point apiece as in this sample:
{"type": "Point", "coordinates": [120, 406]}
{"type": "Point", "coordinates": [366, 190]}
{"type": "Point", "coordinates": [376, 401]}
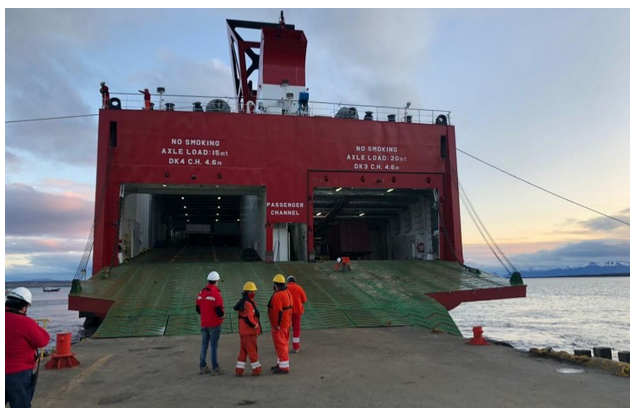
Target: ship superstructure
{"type": "Point", "coordinates": [272, 179]}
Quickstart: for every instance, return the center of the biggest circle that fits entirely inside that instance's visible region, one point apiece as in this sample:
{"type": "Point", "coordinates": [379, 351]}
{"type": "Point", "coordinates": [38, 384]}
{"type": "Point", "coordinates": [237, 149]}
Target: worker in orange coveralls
{"type": "Point", "coordinates": [248, 318]}
{"type": "Point", "coordinates": [147, 98]}
{"type": "Point", "coordinates": [299, 299]}
{"type": "Point", "coordinates": [280, 311]}
{"type": "Point", "coordinates": [343, 263]}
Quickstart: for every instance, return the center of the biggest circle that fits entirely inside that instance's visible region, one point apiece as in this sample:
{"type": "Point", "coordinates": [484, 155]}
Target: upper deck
{"type": "Point", "coordinates": [195, 103]}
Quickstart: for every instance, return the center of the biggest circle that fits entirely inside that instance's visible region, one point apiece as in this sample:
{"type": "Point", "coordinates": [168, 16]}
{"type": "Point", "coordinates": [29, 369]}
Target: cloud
{"type": "Point", "coordinates": [575, 254]}
{"type": "Point", "coordinates": [607, 224]}
{"type": "Point", "coordinates": [12, 162]}
{"type": "Point", "coordinates": [184, 76]}
{"type": "Point", "coordinates": [29, 212]}
{"type": "Point", "coordinates": [70, 188]}
{"type": "Point", "coordinates": [24, 246]}
{"type": "Point", "coordinates": [548, 255]}
{"type": "Point", "coordinates": [365, 64]}
{"type": "Point", "coordinates": [58, 266]}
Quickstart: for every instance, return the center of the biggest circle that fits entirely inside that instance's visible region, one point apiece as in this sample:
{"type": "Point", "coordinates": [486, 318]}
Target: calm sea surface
{"type": "Point", "coordinates": [562, 313]}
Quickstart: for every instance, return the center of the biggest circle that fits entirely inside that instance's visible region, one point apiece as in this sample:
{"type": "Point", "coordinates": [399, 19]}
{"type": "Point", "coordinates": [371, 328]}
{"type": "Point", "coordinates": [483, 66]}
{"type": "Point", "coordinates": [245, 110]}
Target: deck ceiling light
{"type": "Point", "coordinates": [318, 214]}
{"type": "Point", "coordinates": [338, 189]}
{"type": "Point", "coordinates": [389, 190]}
{"type": "Point", "coordinates": [361, 214]}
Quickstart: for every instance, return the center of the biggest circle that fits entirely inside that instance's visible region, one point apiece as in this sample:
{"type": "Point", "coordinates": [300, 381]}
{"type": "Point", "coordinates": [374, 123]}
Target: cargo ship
{"type": "Point", "coordinates": [269, 181]}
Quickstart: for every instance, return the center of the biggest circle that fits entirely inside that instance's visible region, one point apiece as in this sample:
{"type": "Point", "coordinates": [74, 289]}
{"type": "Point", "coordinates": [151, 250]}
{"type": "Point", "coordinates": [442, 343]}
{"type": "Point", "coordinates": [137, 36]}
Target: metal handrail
{"type": "Point", "coordinates": [133, 101]}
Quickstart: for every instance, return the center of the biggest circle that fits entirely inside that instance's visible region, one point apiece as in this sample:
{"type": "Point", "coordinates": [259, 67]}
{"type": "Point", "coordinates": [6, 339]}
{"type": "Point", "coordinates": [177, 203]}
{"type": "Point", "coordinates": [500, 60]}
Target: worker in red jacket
{"type": "Point", "coordinates": [248, 318]}
{"type": "Point", "coordinates": [23, 337]}
{"type": "Point", "coordinates": [210, 306]}
{"type": "Point", "coordinates": [280, 310]}
{"type": "Point", "coordinates": [104, 90]}
{"type": "Point", "coordinates": [147, 98]}
{"type": "Point", "coordinates": [299, 299]}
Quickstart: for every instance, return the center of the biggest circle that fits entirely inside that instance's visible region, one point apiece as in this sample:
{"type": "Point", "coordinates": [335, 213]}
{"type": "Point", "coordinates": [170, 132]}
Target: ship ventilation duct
{"type": "Point", "coordinates": [218, 106]}
{"type": "Point", "coordinates": [347, 112]}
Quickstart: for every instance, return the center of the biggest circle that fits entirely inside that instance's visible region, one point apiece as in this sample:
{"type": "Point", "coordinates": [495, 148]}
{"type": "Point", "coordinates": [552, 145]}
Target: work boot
{"type": "Point", "coordinates": [239, 372]}
{"type": "Point", "coordinates": [280, 371]}
{"type": "Point", "coordinates": [205, 370]}
{"type": "Point", "coordinates": [275, 367]}
{"type": "Point", "coordinates": [256, 371]}
{"type": "Point", "coordinates": [217, 371]}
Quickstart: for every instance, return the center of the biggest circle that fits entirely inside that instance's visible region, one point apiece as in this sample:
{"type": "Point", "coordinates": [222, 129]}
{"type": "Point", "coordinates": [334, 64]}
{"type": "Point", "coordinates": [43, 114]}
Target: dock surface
{"type": "Point", "coordinates": [404, 367]}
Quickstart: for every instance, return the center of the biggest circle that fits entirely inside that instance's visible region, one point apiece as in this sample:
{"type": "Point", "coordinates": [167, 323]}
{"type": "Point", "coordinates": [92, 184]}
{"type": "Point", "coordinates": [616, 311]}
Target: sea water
{"type": "Point", "coordinates": [561, 313]}
{"type": "Point", "coordinates": [564, 314]}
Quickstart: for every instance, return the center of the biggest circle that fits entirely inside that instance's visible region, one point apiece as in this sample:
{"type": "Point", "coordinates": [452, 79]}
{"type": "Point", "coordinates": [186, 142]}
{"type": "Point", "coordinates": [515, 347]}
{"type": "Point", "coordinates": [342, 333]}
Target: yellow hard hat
{"type": "Point", "coordinates": [249, 287]}
{"type": "Point", "coordinates": [279, 278]}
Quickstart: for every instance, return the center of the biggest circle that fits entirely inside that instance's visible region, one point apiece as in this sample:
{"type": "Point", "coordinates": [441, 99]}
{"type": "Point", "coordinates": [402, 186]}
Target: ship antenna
{"type": "Point", "coordinates": [282, 19]}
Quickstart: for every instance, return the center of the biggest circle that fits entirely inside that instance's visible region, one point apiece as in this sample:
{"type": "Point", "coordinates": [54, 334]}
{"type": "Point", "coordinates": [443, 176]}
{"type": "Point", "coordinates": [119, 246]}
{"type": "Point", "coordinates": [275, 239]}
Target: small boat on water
{"type": "Point", "coordinates": [50, 289]}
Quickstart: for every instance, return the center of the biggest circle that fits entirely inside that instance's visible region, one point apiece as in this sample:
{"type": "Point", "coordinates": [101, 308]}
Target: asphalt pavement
{"type": "Point", "coordinates": [344, 368]}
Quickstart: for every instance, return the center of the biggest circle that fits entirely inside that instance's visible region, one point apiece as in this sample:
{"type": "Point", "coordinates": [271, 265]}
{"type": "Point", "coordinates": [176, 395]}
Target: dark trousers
{"type": "Point", "coordinates": [18, 391]}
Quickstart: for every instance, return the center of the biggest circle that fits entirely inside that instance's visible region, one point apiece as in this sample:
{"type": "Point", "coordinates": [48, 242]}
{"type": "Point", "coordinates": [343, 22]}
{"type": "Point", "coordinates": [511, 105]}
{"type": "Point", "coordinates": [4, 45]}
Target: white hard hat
{"type": "Point", "coordinates": [339, 259]}
{"type": "Point", "coordinates": [213, 276]}
{"type": "Point", "coordinates": [21, 293]}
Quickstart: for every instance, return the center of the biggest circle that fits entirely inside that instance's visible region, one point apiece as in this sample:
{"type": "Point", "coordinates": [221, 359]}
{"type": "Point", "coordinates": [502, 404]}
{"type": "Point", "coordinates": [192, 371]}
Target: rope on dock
{"type": "Point", "coordinates": [615, 367]}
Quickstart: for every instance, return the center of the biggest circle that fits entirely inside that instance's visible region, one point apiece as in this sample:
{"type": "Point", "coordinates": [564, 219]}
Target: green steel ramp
{"type": "Point", "coordinates": [154, 294]}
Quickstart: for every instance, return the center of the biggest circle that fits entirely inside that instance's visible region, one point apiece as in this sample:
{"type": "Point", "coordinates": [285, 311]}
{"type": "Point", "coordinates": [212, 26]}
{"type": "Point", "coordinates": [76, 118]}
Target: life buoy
{"type": "Point", "coordinates": [421, 247]}
{"type": "Point", "coordinates": [115, 104]}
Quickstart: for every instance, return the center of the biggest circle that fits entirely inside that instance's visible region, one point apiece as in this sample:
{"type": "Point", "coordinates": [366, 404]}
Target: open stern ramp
{"type": "Point", "coordinates": [157, 299]}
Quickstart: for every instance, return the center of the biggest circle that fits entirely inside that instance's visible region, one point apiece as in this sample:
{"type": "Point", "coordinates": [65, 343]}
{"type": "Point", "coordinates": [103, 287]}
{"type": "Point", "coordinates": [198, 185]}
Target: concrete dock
{"type": "Point", "coordinates": [353, 367]}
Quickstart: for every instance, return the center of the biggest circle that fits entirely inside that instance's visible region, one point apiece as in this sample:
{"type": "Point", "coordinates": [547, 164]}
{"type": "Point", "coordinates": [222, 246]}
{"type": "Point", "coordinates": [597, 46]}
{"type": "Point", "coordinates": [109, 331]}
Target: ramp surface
{"type": "Point", "coordinates": [154, 294]}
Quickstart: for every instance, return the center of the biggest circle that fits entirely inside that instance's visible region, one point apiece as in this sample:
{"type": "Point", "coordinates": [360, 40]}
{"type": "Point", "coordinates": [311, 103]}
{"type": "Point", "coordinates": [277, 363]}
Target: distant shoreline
{"type": "Point", "coordinates": [577, 275]}
{"type": "Point", "coordinates": [34, 283]}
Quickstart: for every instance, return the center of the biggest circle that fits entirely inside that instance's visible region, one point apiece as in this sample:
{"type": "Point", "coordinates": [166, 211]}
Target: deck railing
{"type": "Point", "coordinates": [172, 102]}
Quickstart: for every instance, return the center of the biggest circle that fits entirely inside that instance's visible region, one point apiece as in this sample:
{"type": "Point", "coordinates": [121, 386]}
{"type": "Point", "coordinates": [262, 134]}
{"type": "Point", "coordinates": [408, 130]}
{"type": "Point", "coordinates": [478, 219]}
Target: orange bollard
{"type": "Point", "coordinates": [478, 339]}
{"type": "Point", "coordinates": [63, 357]}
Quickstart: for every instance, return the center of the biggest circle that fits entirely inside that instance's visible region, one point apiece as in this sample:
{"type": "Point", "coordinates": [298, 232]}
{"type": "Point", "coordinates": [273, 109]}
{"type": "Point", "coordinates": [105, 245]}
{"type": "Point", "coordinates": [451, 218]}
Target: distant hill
{"type": "Point", "coordinates": [608, 268]}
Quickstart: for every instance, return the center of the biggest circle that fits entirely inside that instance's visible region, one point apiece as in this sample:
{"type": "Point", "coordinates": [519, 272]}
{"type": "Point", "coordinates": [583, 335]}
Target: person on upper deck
{"type": "Point", "coordinates": [104, 90]}
{"type": "Point", "coordinates": [147, 98]}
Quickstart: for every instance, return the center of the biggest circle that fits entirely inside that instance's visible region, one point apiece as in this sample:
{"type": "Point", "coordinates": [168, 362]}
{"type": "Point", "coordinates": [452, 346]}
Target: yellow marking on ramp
{"type": "Point", "coordinates": [86, 373]}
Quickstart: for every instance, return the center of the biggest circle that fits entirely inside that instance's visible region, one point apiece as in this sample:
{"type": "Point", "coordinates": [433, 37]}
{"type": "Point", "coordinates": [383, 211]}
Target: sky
{"type": "Point", "coordinates": [541, 94]}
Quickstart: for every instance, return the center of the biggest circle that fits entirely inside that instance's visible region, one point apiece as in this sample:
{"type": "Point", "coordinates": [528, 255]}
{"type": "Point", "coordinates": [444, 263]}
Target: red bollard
{"type": "Point", "coordinates": [63, 357]}
{"type": "Point", "coordinates": [478, 339]}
